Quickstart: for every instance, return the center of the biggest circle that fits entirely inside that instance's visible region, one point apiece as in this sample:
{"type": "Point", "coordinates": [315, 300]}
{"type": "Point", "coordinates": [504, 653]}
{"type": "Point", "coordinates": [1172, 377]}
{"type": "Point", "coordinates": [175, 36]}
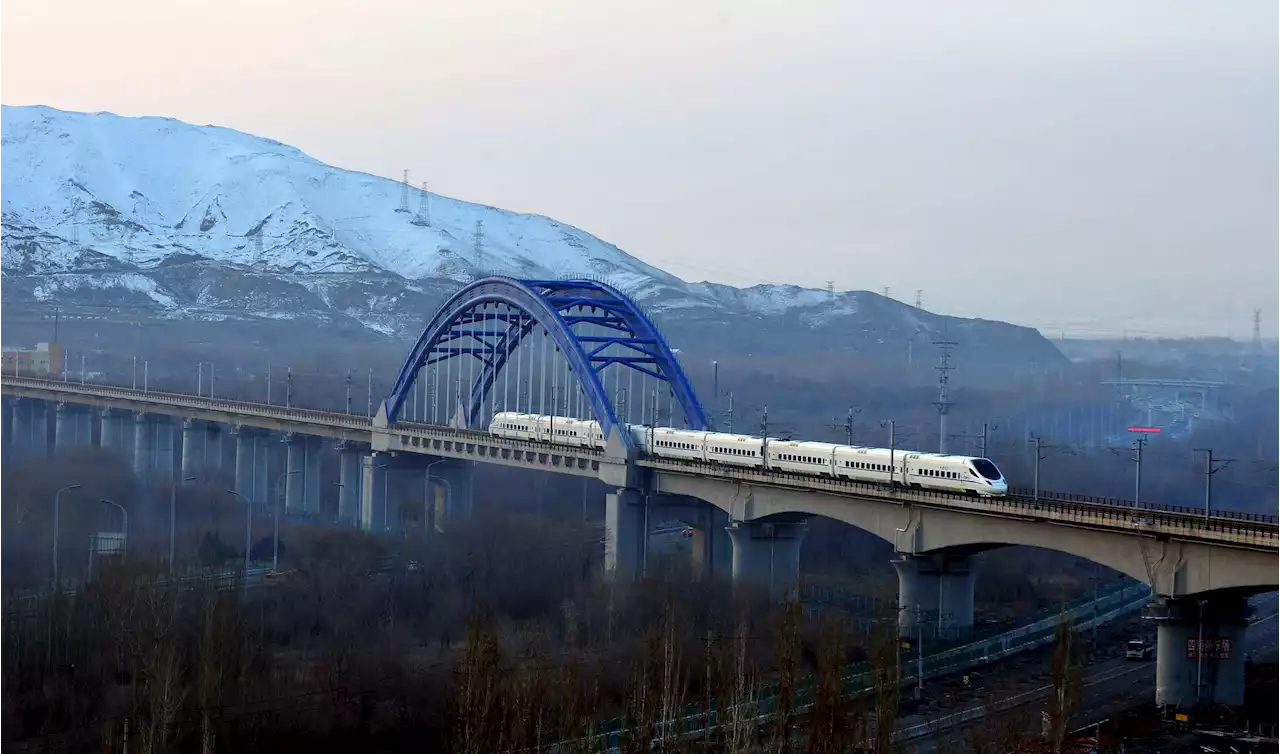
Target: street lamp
{"type": "Point", "coordinates": [426, 496]}
{"type": "Point", "coordinates": [124, 515]}
{"type": "Point", "coordinates": [173, 517]}
{"type": "Point", "coordinates": [248, 526]}
{"type": "Point", "coordinates": [57, 503]}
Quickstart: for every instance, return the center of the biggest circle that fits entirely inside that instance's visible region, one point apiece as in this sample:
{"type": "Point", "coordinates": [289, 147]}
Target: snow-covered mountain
{"type": "Point", "coordinates": [204, 222]}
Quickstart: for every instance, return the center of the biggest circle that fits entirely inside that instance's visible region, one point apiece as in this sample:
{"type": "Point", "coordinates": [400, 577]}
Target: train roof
{"type": "Point", "coordinates": [813, 446]}
{"type": "Point", "coordinates": [730, 437]}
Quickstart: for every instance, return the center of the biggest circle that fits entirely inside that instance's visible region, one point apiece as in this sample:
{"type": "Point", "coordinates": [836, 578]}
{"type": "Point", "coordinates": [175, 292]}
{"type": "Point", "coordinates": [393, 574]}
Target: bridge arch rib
{"type": "Point", "coordinates": [593, 327]}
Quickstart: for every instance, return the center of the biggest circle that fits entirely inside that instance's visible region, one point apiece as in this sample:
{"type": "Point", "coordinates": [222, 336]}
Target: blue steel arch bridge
{"type": "Point", "coordinates": [577, 348]}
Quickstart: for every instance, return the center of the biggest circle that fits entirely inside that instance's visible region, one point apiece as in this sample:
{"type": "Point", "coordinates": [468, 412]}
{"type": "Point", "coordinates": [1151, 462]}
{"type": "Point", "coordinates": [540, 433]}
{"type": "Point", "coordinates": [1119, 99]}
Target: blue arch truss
{"type": "Point", "coordinates": [496, 313]}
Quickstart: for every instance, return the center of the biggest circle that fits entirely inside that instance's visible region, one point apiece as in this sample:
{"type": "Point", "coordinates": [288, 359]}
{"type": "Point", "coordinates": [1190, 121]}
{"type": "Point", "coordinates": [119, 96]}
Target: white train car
{"type": "Point", "coordinates": [957, 474]}
{"type": "Point", "coordinates": [870, 464]}
{"type": "Point", "coordinates": [682, 444]}
{"type": "Point", "coordinates": [801, 457]}
{"type": "Point", "coordinates": [734, 450]}
{"type": "Point", "coordinates": [566, 430]}
{"type": "Point", "coordinates": [515, 426]}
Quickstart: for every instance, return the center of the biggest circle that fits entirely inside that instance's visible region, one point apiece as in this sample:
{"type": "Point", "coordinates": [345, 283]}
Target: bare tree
{"type": "Point", "coordinates": [1064, 697]}
{"type": "Point", "coordinates": [828, 722]}
{"type": "Point", "coordinates": [477, 691]}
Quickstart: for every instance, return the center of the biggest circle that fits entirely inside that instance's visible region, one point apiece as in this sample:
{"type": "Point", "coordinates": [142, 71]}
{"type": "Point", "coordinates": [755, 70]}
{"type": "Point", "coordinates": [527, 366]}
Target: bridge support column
{"type": "Point", "coordinates": [1200, 647]}
{"type": "Point", "coordinates": [374, 503]}
{"type": "Point", "coordinates": [295, 480]}
{"type": "Point", "coordinates": [767, 554]}
{"type": "Point", "coordinates": [165, 449]}
{"type": "Point", "coordinates": [193, 447]}
{"type": "Point", "coordinates": [63, 431]}
{"type": "Point", "coordinates": [712, 547]}
{"type": "Point", "coordinates": [30, 428]}
{"type": "Point", "coordinates": [351, 484]}
{"type": "Point", "coordinates": [313, 457]}
{"type": "Point", "coordinates": [213, 452]}
{"type": "Point", "coordinates": [251, 473]}
{"type": "Point", "coordinates": [452, 500]}
{"type": "Point", "coordinates": [114, 435]}
{"type": "Point", "coordinates": [625, 534]}
{"type": "Point", "coordinates": [143, 455]}
{"type": "Point", "coordinates": [935, 593]}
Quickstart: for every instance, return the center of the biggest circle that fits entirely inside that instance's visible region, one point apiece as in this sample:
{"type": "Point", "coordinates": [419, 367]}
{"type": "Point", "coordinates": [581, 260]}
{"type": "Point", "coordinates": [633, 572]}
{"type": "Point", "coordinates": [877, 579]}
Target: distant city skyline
{"type": "Point", "coordinates": [1087, 168]}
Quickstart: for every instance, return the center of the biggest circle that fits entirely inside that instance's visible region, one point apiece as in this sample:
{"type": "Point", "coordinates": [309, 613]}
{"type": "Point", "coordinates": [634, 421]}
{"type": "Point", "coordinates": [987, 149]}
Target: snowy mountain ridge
{"type": "Point", "coordinates": [208, 223]}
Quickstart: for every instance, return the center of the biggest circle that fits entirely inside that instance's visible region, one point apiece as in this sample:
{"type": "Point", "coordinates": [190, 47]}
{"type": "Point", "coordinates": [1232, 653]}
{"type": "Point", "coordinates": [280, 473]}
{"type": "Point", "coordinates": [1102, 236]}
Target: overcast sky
{"type": "Point", "coordinates": [1093, 167]}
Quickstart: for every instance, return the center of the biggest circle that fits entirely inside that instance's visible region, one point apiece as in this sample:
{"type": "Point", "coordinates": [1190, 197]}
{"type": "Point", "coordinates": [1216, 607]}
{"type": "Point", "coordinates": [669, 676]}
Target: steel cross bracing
{"type": "Point", "coordinates": [488, 320]}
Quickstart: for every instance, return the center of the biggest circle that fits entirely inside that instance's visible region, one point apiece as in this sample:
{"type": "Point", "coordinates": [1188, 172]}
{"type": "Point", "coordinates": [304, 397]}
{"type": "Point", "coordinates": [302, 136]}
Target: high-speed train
{"type": "Point", "coordinates": [908, 468]}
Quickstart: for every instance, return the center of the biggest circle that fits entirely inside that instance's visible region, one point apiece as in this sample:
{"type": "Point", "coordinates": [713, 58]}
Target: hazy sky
{"type": "Point", "coordinates": [1083, 166]}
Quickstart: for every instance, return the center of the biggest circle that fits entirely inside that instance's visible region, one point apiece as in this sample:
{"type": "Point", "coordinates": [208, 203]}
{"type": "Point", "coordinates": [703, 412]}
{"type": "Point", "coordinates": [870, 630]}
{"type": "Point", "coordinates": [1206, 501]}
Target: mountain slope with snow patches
{"type": "Point", "coordinates": [205, 222]}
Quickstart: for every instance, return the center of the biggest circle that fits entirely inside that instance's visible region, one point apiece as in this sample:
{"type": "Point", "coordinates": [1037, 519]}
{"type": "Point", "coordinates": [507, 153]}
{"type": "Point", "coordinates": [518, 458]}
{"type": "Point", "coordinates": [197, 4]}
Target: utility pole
{"type": "Point", "coordinates": [715, 382]}
{"type": "Point", "coordinates": [729, 415]}
{"type": "Point", "coordinates": [1040, 456]}
{"type": "Point", "coordinates": [1209, 471]}
{"type": "Point", "coordinates": [288, 387]}
{"type": "Point", "coordinates": [348, 391]}
{"type": "Point", "coordinates": [846, 425]}
{"type": "Point", "coordinates": [891, 424]}
{"type": "Point", "coordinates": [1138, 445]}
{"type": "Point", "coordinates": [919, 298]}
{"type": "Point", "coordinates": [370, 392]}
{"type": "Point", "coordinates": [943, 403]}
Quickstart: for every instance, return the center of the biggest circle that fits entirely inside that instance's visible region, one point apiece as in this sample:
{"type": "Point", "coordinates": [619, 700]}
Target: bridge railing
{"type": "Point", "coordinates": [191, 401]}
{"type": "Point", "coordinates": [1028, 493]}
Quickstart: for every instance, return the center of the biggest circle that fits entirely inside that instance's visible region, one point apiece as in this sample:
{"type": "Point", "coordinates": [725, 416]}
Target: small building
{"type": "Point", "coordinates": [45, 358]}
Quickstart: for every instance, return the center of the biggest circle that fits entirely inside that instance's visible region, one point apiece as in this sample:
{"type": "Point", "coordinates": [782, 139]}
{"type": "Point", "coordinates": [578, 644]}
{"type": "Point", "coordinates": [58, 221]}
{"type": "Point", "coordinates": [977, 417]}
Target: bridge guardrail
{"type": "Point", "coordinates": [191, 401]}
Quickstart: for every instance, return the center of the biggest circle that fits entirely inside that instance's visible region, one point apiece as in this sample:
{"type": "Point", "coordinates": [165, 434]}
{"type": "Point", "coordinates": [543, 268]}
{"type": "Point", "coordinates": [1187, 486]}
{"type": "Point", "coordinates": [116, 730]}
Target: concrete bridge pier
{"type": "Point", "coordinates": [374, 502]}
{"type": "Point", "coordinates": [114, 433]}
{"type": "Point", "coordinates": [164, 450]}
{"type": "Point", "coordinates": [30, 428]}
{"type": "Point", "coordinates": [712, 546]}
{"type": "Point", "coordinates": [142, 447]}
{"type": "Point", "coordinates": [193, 447]}
{"type": "Point", "coordinates": [295, 480]}
{"type": "Point", "coordinates": [351, 456]}
{"type": "Point", "coordinates": [312, 458]}
{"type": "Point", "coordinates": [767, 554]}
{"type": "Point", "coordinates": [625, 535]}
{"type": "Point", "coordinates": [1200, 647]}
{"type": "Point", "coordinates": [73, 426]}
{"type": "Point", "coordinates": [454, 482]}
{"type": "Point", "coordinates": [251, 472]}
{"type": "Point", "coordinates": [213, 450]}
{"type": "Point", "coordinates": [935, 595]}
